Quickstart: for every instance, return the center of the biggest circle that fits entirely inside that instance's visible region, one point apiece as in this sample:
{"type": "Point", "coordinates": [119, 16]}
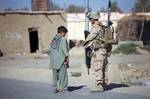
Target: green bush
{"type": "Point", "coordinates": [128, 48]}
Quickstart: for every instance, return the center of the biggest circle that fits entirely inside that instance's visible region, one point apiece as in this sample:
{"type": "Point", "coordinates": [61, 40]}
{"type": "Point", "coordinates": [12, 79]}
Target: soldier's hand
{"type": "Point", "coordinates": [85, 44]}
{"type": "Point", "coordinates": [66, 62]}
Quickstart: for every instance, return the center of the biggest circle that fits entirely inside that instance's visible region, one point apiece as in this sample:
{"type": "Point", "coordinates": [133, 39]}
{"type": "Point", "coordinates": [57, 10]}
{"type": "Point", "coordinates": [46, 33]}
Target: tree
{"type": "Point", "coordinates": [114, 7]}
{"type": "Point", "coordinates": [75, 9]}
{"type": "Point", "coordinates": [17, 9]}
{"type": "Point", "coordinates": [8, 9]}
{"type": "Point", "coordinates": [103, 9]}
{"type": "Point", "coordinates": [141, 6]}
{"type": "Point", "coordinates": [53, 6]}
{"type": "Point", "coordinates": [24, 9]}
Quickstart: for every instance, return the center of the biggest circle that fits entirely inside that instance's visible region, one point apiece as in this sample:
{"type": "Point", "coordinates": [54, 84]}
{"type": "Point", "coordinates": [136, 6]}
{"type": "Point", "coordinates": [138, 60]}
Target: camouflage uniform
{"type": "Point", "coordinates": [99, 56]}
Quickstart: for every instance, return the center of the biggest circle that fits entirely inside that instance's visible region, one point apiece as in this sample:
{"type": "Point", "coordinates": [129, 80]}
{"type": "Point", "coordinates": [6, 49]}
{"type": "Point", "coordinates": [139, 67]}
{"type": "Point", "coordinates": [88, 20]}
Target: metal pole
{"type": "Point", "coordinates": [86, 19]}
{"type": "Point", "coordinates": [64, 6]}
{"type": "Point", "coordinates": [141, 33]}
{"type": "Point", "coordinates": [52, 5]}
{"type": "Point", "coordinates": [142, 29]}
{"type": "Point", "coordinates": [86, 32]}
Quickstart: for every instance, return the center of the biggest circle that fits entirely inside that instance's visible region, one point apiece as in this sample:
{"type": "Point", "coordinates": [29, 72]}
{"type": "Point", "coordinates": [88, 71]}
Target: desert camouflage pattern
{"type": "Point", "coordinates": [99, 60]}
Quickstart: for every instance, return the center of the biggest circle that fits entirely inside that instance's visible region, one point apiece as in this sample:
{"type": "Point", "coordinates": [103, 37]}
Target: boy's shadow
{"type": "Point", "coordinates": [113, 85]}
{"type": "Point", "coordinates": [73, 88]}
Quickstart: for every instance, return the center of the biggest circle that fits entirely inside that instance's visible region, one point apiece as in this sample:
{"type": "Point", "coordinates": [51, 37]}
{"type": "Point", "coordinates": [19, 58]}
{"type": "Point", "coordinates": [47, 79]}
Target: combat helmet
{"type": "Point", "coordinates": [93, 15]}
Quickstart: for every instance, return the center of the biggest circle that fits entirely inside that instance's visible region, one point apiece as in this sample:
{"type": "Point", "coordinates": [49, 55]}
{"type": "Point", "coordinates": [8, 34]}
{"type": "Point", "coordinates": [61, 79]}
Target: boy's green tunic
{"type": "Point", "coordinates": [58, 52]}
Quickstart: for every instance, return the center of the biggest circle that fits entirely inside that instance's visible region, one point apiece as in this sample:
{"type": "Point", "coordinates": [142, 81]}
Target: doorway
{"type": "Point", "coordinates": [33, 39]}
{"type": "Point", "coordinates": [146, 35]}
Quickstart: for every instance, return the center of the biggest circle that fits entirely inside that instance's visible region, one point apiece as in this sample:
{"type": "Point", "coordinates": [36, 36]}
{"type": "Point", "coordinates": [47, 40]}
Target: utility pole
{"type": "Point", "coordinates": [86, 19]}
{"type": "Point", "coordinates": [142, 27]}
{"type": "Point", "coordinates": [64, 6]}
{"type": "Point", "coordinates": [86, 33]}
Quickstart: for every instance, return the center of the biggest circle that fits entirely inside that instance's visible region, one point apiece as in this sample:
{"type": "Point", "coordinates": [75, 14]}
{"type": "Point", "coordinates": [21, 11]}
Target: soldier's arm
{"type": "Point", "coordinates": [93, 33]}
{"type": "Point", "coordinates": [91, 37]}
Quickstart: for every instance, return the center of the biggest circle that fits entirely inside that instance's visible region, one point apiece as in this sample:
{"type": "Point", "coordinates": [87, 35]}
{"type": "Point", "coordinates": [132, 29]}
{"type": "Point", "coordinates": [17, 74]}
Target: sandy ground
{"type": "Point", "coordinates": [29, 76]}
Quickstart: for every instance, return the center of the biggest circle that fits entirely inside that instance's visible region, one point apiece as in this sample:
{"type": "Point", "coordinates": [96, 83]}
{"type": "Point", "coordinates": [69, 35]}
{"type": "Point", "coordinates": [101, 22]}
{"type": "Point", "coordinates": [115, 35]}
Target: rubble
{"type": "Point", "coordinates": [135, 75]}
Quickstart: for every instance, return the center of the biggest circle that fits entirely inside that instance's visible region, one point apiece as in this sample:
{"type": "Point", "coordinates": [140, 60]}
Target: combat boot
{"type": "Point", "coordinates": [97, 89]}
{"type": "Point", "coordinates": [100, 88]}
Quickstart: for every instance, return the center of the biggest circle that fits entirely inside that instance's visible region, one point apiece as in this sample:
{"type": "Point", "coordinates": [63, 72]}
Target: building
{"type": "Point", "coordinates": [31, 31]}
{"type": "Point", "coordinates": [28, 31]}
{"type": "Point", "coordinates": [76, 23]}
{"type": "Point", "coordinates": [40, 5]}
{"type": "Point", "coordinates": [135, 27]}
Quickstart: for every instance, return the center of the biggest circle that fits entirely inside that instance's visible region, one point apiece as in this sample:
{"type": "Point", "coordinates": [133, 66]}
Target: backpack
{"type": "Point", "coordinates": [109, 38]}
{"type": "Point", "coordinates": [109, 35]}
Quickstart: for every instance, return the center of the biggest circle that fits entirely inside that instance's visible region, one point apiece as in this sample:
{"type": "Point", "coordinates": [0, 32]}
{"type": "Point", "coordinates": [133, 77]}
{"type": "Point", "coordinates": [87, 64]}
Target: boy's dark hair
{"type": "Point", "coordinates": [62, 29]}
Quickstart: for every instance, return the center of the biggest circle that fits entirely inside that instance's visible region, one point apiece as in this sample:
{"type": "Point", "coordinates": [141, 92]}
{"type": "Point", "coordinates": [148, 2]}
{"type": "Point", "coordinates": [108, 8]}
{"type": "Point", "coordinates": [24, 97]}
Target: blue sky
{"type": "Point", "coordinates": [125, 5]}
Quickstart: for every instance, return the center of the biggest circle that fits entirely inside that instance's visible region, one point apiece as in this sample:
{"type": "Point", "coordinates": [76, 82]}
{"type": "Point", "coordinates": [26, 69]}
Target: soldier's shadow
{"type": "Point", "coordinates": [113, 85]}
{"type": "Point", "coordinates": [73, 88]}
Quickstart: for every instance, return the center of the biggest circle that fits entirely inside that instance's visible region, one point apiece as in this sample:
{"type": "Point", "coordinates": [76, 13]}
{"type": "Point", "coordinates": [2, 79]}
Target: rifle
{"type": "Point", "coordinates": [87, 50]}
{"type": "Point", "coordinates": [109, 13]}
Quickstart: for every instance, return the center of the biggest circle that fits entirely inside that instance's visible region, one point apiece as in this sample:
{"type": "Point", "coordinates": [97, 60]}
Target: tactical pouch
{"type": "Point", "coordinates": [108, 47]}
{"type": "Point", "coordinates": [96, 44]}
{"type": "Point", "coordinates": [109, 36]}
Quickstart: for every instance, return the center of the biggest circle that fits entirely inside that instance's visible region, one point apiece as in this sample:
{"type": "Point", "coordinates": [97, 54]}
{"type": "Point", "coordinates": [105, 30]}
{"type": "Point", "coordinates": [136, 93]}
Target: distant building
{"type": "Point", "coordinates": [76, 23]}
{"type": "Point", "coordinates": [28, 32]}
{"type": "Point", "coordinates": [31, 31]}
{"type": "Point", "coordinates": [40, 5]}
